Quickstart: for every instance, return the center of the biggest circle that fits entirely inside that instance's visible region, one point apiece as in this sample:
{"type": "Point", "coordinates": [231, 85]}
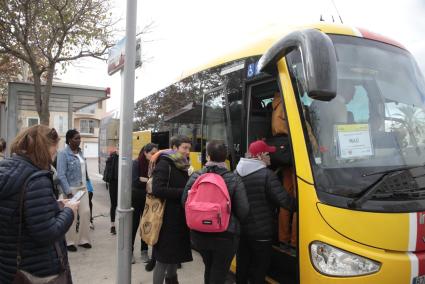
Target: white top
{"type": "Point", "coordinates": [83, 169]}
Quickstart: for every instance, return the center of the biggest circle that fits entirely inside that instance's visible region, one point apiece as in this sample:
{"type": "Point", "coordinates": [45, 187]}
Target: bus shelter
{"type": "Point", "coordinates": [64, 98]}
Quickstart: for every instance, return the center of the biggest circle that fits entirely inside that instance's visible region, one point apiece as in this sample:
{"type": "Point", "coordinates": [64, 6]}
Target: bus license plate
{"type": "Point", "coordinates": [419, 279]}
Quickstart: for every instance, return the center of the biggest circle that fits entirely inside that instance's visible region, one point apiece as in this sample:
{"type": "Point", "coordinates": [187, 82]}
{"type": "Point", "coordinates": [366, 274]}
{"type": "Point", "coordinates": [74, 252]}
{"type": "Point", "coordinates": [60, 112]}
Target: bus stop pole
{"type": "Point", "coordinates": [124, 210]}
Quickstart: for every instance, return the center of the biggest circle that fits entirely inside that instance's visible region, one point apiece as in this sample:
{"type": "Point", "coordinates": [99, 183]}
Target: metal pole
{"type": "Point", "coordinates": [124, 210]}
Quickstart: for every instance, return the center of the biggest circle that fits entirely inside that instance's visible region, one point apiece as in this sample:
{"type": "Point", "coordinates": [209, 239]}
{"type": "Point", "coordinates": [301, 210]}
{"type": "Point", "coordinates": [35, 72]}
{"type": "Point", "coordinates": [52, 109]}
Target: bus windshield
{"type": "Point", "coordinates": [375, 123]}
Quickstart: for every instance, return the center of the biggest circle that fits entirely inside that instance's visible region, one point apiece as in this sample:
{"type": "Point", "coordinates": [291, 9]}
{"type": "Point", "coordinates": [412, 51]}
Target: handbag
{"type": "Point", "coordinates": [24, 277]}
{"type": "Point", "coordinates": [152, 217]}
{"type": "Point", "coordinates": [283, 156]}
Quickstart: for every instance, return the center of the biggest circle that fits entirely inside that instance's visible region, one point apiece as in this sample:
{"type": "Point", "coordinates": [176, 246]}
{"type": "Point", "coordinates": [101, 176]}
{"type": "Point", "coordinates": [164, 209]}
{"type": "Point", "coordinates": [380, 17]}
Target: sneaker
{"type": "Point", "coordinates": [71, 248]}
{"type": "Point", "coordinates": [113, 231]}
{"type": "Point", "coordinates": [133, 259]}
{"type": "Point", "coordinates": [150, 265]}
{"type": "Point", "coordinates": [144, 256]}
{"type": "Point", "coordinates": [86, 245]}
{"type": "Point", "coordinates": [91, 225]}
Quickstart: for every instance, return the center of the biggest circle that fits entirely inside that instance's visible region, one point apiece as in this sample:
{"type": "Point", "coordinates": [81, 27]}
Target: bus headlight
{"type": "Point", "coordinates": [332, 261]}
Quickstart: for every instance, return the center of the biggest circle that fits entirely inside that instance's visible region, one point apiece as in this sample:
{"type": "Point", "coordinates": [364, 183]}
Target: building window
{"type": "Point", "coordinates": [61, 123]}
{"type": "Point", "coordinates": [31, 121]}
{"type": "Point", "coordinates": [87, 126]}
{"type": "Point", "coordinates": [99, 104]}
{"type": "Point", "coordinates": [91, 109]}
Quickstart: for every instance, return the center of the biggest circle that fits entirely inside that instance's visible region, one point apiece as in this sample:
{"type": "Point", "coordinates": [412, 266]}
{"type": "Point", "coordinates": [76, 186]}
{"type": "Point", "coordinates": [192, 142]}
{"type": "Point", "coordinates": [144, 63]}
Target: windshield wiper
{"type": "Point", "coordinates": [392, 170]}
{"type": "Point", "coordinates": [370, 190]}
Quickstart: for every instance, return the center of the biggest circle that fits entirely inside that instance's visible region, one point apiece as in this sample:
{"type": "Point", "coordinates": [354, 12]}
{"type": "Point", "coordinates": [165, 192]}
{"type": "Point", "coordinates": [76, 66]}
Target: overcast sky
{"type": "Point", "coordinates": [188, 33]}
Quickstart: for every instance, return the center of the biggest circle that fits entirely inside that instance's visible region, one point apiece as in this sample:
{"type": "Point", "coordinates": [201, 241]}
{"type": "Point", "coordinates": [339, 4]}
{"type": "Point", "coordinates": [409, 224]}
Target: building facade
{"type": "Point", "coordinates": [85, 120]}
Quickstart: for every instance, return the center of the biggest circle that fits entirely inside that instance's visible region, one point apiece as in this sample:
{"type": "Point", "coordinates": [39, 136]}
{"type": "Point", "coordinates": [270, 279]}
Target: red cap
{"type": "Point", "coordinates": [258, 147]}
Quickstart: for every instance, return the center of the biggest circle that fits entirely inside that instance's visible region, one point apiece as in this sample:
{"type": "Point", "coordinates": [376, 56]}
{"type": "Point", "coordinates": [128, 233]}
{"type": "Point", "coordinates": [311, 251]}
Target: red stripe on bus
{"type": "Point", "coordinates": [421, 263]}
{"type": "Point", "coordinates": [374, 36]}
{"type": "Point", "coordinates": [420, 234]}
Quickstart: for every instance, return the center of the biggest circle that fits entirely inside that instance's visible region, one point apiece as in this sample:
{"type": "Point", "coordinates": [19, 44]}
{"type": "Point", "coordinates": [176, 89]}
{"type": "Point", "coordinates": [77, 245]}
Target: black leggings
{"type": "Point", "coordinates": [253, 260]}
{"type": "Point", "coordinates": [113, 194]}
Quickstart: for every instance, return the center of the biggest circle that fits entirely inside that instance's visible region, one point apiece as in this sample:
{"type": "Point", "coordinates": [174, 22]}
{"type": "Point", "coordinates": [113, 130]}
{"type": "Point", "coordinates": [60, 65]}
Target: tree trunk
{"type": "Point", "coordinates": [42, 97]}
{"type": "Point", "coordinates": [37, 97]}
{"type": "Point", "coordinates": [45, 115]}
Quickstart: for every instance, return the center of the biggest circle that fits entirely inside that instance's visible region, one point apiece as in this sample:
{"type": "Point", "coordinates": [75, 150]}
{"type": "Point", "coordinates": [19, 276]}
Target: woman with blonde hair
{"type": "Point", "coordinates": [32, 222]}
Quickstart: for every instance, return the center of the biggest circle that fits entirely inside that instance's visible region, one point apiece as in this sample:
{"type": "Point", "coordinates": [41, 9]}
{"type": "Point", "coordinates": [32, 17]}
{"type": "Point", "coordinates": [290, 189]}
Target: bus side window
{"type": "Point", "coordinates": [260, 111]}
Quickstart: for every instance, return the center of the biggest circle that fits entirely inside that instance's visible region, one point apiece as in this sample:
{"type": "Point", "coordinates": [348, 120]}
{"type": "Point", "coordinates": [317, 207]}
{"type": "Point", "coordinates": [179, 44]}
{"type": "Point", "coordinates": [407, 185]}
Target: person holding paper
{"type": "Point", "coordinates": [71, 168]}
{"type": "Point", "coordinates": [33, 222]}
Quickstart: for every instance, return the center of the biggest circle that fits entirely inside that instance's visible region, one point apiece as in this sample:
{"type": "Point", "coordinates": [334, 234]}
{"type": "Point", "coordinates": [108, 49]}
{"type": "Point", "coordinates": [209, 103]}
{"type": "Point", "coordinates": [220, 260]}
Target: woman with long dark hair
{"type": "Point", "coordinates": [32, 221]}
{"type": "Point", "coordinates": [72, 175]}
{"type": "Point", "coordinates": [138, 195]}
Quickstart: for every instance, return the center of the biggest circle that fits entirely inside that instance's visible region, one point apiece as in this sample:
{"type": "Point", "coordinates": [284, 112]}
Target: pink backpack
{"type": "Point", "coordinates": [208, 205]}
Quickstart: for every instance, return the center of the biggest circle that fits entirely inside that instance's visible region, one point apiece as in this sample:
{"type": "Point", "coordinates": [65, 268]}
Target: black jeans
{"type": "Point", "coordinates": [217, 254]}
{"type": "Point", "coordinates": [113, 194]}
{"type": "Point", "coordinates": [138, 201]}
{"type": "Point", "coordinates": [253, 261]}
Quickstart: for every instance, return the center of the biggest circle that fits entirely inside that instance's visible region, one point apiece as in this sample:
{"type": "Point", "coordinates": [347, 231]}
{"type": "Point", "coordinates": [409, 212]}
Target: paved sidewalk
{"type": "Point", "coordinates": [98, 265]}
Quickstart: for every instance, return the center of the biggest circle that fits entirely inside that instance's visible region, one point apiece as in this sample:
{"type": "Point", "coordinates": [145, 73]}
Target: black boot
{"type": "Point", "coordinates": [150, 265]}
{"type": "Point", "coordinates": [171, 280]}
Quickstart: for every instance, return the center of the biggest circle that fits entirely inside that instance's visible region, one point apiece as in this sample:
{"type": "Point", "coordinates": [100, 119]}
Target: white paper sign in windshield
{"type": "Point", "coordinates": [354, 141]}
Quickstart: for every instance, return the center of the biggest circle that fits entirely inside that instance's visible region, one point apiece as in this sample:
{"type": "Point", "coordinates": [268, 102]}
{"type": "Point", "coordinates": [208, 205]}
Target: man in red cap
{"type": "Point", "coordinates": [265, 195]}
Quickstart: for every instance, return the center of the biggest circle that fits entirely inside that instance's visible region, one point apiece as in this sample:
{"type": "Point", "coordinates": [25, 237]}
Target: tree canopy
{"type": "Point", "coordinates": [45, 33]}
{"type": "Point", "coordinates": [9, 70]}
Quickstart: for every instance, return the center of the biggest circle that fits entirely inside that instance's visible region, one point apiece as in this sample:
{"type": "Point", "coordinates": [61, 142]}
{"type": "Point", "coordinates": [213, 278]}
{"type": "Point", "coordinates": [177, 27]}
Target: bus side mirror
{"type": "Point", "coordinates": [319, 60]}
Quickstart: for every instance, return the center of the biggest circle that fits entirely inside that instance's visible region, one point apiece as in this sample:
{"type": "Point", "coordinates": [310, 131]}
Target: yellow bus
{"type": "Point", "coordinates": [109, 138]}
{"type": "Point", "coordinates": [354, 106]}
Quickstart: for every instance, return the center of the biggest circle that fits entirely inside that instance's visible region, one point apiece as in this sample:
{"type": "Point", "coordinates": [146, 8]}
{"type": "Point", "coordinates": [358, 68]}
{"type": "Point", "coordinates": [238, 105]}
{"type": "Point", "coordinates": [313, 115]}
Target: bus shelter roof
{"type": "Point", "coordinates": [66, 98]}
{"type": "Point", "coordinates": [63, 97]}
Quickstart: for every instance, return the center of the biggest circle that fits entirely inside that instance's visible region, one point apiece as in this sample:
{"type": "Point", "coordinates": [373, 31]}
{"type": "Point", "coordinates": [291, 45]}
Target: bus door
{"type": "Point", "coordinates": [266, 120]}
{"type": "Point", "coordinates": [217, 121]}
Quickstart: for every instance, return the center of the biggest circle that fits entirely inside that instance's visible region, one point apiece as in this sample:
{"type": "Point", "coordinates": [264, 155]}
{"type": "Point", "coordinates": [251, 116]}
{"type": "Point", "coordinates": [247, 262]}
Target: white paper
{"type": "Point", "coordinates": [354, 141]}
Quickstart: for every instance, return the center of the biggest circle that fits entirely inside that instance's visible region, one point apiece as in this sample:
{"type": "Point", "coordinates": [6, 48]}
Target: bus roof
{"type": "Point", "coordinates": [261, 45]}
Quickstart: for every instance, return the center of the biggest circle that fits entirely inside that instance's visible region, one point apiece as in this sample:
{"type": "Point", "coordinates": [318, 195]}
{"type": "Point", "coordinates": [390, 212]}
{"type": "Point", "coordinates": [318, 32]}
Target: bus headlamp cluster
{"type": "Point", "coordinates": [332, 261]}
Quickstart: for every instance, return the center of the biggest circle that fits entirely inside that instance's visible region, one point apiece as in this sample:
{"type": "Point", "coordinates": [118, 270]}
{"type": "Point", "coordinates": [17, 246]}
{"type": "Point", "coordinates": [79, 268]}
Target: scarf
{"type": "Point", "coordinates": [180, 161]}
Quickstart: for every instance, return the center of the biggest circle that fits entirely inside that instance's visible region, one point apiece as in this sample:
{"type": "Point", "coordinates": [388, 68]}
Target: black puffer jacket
{"type": "Point", "coordinates": [44, 222]}
{"type": "Point", "coordinates": [265, 194]}
{"type": "Point", "coordinates": [173, 244]}
{"type": "Point", "coordinates": [240, 205]}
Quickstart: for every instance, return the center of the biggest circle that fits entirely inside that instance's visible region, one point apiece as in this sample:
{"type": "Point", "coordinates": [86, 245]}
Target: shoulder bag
{"type": "Point", "coordinates": [24, 277]}
{"type": "Point", "coordinates": [153, 213]}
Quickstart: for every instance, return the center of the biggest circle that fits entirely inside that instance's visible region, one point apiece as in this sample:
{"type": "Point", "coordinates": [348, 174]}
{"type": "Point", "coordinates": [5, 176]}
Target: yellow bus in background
{"type": "Point", "coordinates": [140, 139]}
{"type": "Point", "coordinates": [354, 102]}
{"type": "Point", "coordinates": [109, 139]}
